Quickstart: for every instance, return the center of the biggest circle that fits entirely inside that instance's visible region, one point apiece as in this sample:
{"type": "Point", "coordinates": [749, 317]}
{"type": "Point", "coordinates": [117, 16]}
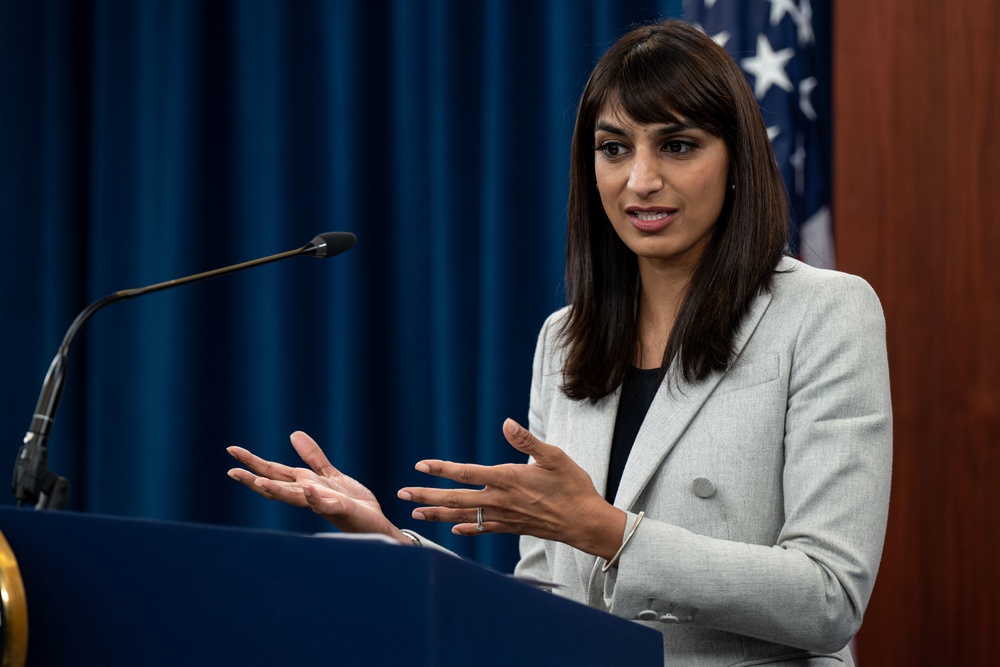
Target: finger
{"type": "Point", "coordinates": [452, 498]}
{"type": "Point", "coordinates": [523, 440]}
{"type": "Point", "coordinates": [287, 492]}
{"type": "Point", "coordinates": [466, 520]}
{"type": "Point", "coordinates": [250, 480]}
{"type": "Point", "coordinates": [322, 503]}
{"type": "Point", "coordinates": [446, 515]}
{"type": "Point", "coordinates": [472, 529]}
{"type": "Point", "coordinates": [466, 473]}
{"type": "Point", "coordinates": [311, 453]}
{"type": "Point", "coordinates": [246, 478]}
{"type": "Point", "coordinates": [262, 467]}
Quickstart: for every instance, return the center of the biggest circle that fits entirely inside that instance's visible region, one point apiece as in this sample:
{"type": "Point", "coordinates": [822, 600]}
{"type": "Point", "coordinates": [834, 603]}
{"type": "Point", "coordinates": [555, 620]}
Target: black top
{"type": "Point", "coordinates": [638, 390]}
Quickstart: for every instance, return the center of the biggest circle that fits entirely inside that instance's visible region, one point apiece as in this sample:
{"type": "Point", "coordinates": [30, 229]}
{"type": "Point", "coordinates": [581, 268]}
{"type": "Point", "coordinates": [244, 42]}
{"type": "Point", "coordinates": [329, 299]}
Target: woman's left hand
{"type": "Point", "coordinates": [551, 497]}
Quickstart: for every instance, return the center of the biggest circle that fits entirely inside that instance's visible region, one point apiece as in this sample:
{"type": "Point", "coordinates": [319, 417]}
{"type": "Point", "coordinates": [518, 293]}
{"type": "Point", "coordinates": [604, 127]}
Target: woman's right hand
{"type": "Point", "coordinates": [339, 499]}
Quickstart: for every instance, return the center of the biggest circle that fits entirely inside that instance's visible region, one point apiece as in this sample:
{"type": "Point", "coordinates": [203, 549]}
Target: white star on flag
{"type": "Point", "coordinates": [721, 38]}
{"type": "Point", "coordinates": [779, 8]}
{"type": "Point", "coordinates": [768, 67]}
{"type": "Point", "coordinates": [803, 22]}
{"type": "Point", "coordinates": [806, 87]}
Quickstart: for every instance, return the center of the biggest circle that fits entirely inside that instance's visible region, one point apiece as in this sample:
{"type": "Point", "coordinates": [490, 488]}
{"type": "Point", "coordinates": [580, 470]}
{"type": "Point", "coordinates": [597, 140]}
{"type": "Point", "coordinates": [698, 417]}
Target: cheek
{"type": "Point", "coordinates": [607, 190]}
{"type": "Point", "coordinates": [710, 188]}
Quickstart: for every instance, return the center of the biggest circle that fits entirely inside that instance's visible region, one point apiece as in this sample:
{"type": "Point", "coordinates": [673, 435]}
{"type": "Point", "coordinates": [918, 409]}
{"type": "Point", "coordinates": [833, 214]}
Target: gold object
{"type": "Point", "coordinates": [13, 609]}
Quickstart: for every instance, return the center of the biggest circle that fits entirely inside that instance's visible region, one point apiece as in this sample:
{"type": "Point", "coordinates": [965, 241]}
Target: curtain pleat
{"type": "Point", "coordinates": [144, 141]}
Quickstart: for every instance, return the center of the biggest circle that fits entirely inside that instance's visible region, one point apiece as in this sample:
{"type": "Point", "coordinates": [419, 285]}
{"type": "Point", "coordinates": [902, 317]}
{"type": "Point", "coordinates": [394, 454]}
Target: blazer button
{"type": "Point", "coordinates": [703, 487]}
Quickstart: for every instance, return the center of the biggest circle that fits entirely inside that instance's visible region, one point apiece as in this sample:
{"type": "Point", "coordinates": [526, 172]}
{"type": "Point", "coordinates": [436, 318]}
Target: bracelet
{"type": "Point", "coordinates": [413, 538]}
{"type": "Point", "coordinates": [614, 559]}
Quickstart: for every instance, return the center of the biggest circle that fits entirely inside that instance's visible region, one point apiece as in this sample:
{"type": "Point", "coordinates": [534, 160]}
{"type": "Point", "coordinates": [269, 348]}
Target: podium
{"type": "Point", "coordinates": [112, 591]}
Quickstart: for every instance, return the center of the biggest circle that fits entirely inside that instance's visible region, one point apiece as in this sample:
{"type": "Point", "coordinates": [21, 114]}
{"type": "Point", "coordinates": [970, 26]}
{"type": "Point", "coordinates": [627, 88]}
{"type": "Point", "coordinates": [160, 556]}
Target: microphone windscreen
{"type": "Point", "coordinates": [330, 244]}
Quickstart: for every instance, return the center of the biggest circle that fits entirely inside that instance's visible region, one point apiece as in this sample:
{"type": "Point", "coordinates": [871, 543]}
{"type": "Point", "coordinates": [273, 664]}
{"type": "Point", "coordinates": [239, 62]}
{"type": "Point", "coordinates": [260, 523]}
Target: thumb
{"type": "Point", "coordinates": [523, 440]}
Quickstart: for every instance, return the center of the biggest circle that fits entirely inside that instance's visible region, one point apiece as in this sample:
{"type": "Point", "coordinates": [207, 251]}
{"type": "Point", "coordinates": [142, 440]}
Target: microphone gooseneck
{"type": "Point", "coordinates": [33, 482]}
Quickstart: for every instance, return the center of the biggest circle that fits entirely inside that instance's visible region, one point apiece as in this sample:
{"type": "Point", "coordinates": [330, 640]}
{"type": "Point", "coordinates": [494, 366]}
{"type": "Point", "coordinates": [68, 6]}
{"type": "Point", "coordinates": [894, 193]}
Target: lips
{"type": "Point", "coordinates": [651, 220]}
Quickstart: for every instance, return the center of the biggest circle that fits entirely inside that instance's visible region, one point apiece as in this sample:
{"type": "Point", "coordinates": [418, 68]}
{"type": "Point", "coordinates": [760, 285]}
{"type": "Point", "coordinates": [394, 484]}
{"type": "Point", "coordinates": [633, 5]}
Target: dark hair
{"type": "Point", "coordinates": [664, 73]}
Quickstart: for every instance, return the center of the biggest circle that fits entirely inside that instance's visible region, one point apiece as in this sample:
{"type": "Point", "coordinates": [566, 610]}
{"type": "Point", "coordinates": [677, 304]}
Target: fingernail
{"type": "Point", "coordinates": [423, 467]}
{"type": "Point", "coordinates": [403, 494]}
{"type": "Point", "coordinates": [418, 515]}
{"type": "Point", "coordinates": [511, 427]}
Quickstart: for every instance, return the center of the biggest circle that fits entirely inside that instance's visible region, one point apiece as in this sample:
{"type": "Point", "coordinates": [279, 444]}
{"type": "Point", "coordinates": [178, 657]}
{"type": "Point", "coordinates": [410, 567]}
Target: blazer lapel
{"type": "Point", "coordinates": [593, 429]}
{"type": "Point", "coordinates": [590, 443]}
{"type": "Point", "coordinates": [673, 408]}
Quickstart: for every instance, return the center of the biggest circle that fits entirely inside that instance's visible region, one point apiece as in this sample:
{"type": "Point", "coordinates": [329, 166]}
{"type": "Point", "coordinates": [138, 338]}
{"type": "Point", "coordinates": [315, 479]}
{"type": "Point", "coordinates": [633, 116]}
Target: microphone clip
{"type": "Point", "coordinates": [33, 481]}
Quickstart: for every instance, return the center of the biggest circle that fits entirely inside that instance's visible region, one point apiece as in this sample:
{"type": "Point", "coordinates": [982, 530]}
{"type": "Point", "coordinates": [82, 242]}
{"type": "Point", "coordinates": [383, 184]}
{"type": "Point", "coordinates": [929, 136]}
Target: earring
{"type": "Point", "coordinates": [732, 186]}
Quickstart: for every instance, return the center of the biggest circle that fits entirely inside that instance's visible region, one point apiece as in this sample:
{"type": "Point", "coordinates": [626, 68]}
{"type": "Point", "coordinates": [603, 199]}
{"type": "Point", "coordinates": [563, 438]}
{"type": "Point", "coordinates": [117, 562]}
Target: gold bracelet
{"type": "Point", "coordinates": [614, 559]}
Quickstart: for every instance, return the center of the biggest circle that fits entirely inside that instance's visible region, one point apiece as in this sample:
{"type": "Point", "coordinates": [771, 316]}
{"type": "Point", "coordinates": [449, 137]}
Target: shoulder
{"type": "Point", "coordinates": [552, 329]}
{"type": "Point", "coordinates": [830, 321]}
{"type": "Point", "coordinates": [807, 306]}
{"type": "Point", "coordinates": [549, 350]}
{"type": "Point", "coordinates": [799, 284]}
{"type": "Point", "coordinates": [557, 319]}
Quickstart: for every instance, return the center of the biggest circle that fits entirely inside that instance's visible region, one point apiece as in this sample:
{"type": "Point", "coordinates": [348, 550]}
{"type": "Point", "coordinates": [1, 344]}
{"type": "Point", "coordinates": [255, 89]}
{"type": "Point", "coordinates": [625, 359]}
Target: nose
{"type": "Point", "coordinates": [644, 179]}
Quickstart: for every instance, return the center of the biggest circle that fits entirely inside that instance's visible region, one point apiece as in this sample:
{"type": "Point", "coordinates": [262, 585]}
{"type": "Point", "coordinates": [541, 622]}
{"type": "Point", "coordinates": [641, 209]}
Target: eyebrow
{"type": "Point", "coordinates": [605, 126]}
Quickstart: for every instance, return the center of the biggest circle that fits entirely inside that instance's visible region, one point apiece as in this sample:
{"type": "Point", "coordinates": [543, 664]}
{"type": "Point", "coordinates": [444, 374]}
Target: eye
{"type": "Point", "coordinates": [680, 146]}
{"type": "Point", "coordinates": [611, 149]}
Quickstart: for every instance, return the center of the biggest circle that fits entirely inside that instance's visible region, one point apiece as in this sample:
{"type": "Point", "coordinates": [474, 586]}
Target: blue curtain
{"type": "Point", "coordinates": [141, 141]}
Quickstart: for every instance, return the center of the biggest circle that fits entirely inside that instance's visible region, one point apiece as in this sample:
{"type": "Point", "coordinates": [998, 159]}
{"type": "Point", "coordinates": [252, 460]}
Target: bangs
{"type": "Point", "coordinates": [656, 85]}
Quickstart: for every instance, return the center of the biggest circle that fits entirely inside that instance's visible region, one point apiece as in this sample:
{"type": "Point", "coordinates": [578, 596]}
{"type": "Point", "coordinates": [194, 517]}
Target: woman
{"type": "Point", "coordinates": [710, 424]}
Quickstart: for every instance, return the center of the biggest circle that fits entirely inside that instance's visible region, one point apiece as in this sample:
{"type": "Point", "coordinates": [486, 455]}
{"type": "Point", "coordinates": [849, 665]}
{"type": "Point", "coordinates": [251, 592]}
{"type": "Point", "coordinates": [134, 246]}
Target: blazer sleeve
{"type": "Point", "coordinates": [811, 587]}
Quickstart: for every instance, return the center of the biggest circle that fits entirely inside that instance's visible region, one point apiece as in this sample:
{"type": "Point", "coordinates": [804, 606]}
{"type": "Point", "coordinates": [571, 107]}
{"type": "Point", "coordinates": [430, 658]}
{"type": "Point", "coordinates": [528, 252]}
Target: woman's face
{"type": "Point", "coordinates": [662, 185]}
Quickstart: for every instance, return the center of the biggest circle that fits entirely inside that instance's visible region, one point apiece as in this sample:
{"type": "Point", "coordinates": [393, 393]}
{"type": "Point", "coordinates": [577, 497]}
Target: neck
{"type": "Point", "coordinates": [662, 291]}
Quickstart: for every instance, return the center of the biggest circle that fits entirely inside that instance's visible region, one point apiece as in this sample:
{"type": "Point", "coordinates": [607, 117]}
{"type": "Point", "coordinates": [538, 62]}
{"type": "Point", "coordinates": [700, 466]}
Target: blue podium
{"type": "Point", "coordinates": [111, 591]}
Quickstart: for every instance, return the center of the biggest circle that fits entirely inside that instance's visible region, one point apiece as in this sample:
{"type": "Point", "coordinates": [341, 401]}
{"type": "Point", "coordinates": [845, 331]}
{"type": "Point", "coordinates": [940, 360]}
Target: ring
{"type": "Point", "coordinates": [479, 518]}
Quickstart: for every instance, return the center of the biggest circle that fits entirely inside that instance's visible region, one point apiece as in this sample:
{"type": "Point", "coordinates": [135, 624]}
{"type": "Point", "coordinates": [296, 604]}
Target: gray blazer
{"type": "Point", "coordinates": [765, 488]}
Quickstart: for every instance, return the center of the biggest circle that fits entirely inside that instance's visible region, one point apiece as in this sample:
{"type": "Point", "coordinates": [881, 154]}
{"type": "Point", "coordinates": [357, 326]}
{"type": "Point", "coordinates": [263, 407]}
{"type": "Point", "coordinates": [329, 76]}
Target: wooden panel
{"type": "Point", "coordinates": [917, 213]}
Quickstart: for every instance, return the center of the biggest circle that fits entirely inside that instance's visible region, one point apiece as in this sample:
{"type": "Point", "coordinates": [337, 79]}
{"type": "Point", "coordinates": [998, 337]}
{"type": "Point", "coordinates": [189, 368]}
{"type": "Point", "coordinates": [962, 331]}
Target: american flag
{"type": "Point", "coordinates": [783, 46]}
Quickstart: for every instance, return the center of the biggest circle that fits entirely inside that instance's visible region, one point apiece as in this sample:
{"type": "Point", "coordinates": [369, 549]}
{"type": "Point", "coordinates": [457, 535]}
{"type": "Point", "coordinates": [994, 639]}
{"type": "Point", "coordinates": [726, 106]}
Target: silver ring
{"type": "Point", "coordinates": [479, 518]}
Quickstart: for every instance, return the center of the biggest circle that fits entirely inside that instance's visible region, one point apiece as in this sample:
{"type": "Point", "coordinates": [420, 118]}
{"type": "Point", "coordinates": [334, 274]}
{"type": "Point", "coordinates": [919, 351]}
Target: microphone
{"type": "Point", "coordinates": [33, 481]}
